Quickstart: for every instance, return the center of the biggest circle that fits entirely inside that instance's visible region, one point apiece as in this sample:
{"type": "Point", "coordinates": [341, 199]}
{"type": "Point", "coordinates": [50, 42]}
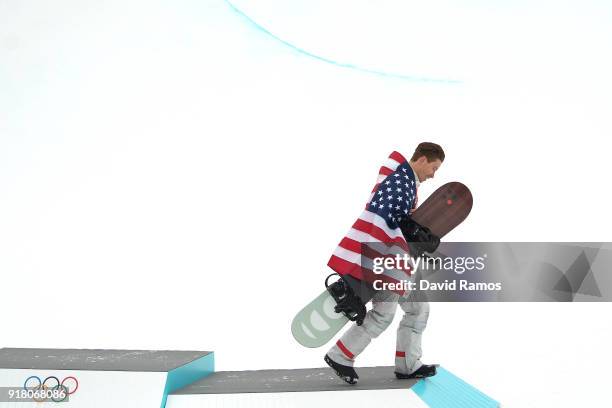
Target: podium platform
{"type": "Point", "coordinates": [186, 379]}
{"type": "Point", "coordinates": [304, 388]}
{"type": "Point", "coordinates": [103, 378]}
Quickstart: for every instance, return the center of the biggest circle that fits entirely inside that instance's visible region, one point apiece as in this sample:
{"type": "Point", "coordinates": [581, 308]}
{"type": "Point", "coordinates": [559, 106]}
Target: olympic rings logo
{"type": "Point", "coordinates": [51, 388]}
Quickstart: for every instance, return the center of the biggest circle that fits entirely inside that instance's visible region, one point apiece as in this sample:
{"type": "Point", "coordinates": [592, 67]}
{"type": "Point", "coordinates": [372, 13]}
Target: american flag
{"type": "Point", "coordinates": [391, 200]}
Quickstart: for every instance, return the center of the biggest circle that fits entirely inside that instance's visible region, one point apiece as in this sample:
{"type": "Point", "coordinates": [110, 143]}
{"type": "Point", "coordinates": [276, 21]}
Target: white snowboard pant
{"type": "Point", "coordinates": [379, 317]}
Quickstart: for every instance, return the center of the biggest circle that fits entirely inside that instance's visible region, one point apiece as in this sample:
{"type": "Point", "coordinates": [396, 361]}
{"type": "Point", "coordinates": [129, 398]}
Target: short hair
{"type": "Point", "coordinates": [430, 150]}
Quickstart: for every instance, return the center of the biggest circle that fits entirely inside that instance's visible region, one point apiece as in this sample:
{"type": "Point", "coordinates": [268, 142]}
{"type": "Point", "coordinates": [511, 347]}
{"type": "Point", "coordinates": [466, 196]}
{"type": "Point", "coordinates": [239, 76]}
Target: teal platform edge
{"type": "Point", "coordinates": [446, 390]}
{"type": "Point", "coordinates": [188, 374]}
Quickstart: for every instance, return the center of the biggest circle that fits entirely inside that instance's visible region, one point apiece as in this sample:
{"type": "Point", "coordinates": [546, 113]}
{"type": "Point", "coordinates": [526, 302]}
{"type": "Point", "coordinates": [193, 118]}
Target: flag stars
{"type": "Point", "coordinates": [395, 196]}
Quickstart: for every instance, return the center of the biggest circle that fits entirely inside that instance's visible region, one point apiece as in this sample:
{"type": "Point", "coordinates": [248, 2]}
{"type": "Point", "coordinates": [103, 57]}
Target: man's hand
{"type": "Point", "coordinates": [421, 238]}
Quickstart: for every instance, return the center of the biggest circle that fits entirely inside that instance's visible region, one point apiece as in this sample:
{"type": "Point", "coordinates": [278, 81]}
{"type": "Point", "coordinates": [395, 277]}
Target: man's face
{"type": "Point", "coordinates": [427, 169]}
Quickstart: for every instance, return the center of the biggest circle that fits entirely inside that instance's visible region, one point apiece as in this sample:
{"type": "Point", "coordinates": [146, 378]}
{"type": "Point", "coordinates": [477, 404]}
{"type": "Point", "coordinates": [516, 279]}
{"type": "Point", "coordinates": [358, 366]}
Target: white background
{"type": "Point", "coordinates": [173, 177]}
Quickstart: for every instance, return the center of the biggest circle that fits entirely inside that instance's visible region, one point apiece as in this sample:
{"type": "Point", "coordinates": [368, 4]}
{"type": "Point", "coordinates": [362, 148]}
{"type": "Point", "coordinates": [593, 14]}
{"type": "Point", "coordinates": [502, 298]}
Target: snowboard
{"type": "Point", "coordinates": [317, 322]}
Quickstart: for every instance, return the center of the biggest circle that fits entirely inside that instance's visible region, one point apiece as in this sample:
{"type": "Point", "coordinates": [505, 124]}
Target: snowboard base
{"type": "Point", "coordinates": [316, 323]}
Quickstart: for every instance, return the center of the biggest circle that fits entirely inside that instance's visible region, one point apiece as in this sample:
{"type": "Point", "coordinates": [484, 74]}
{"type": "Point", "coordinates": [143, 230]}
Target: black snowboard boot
{"type": "Point", "coordinates": [347, 373]}
{"type": "Point", "coordinates": [423, 372]}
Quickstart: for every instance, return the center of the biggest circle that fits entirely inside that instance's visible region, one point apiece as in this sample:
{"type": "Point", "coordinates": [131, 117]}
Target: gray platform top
{"type": "Point", "coordinates": [99, 360]}
{"type": "Point", "coordinates": [301, 380]}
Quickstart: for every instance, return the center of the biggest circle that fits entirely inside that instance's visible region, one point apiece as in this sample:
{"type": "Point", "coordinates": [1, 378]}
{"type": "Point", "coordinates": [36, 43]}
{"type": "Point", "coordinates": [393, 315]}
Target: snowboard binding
{"type": "Point", "coordinates": [347, 301]}
{"type": "Point", "coordinates": [419, 237]}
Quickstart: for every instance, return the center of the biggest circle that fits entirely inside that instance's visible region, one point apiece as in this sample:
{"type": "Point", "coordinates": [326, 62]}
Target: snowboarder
{"type": "Point", "coordinates": [392, 200]}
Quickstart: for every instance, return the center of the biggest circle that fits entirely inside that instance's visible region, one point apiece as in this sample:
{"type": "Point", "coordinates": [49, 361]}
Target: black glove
{"type": "Point", "coordinates": [418, 236]}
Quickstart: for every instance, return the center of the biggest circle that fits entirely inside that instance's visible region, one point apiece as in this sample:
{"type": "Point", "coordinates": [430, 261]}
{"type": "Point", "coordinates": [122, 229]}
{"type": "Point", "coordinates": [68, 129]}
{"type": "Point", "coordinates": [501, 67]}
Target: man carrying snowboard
{"type": "Point", "coordinates": [392, 200]}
